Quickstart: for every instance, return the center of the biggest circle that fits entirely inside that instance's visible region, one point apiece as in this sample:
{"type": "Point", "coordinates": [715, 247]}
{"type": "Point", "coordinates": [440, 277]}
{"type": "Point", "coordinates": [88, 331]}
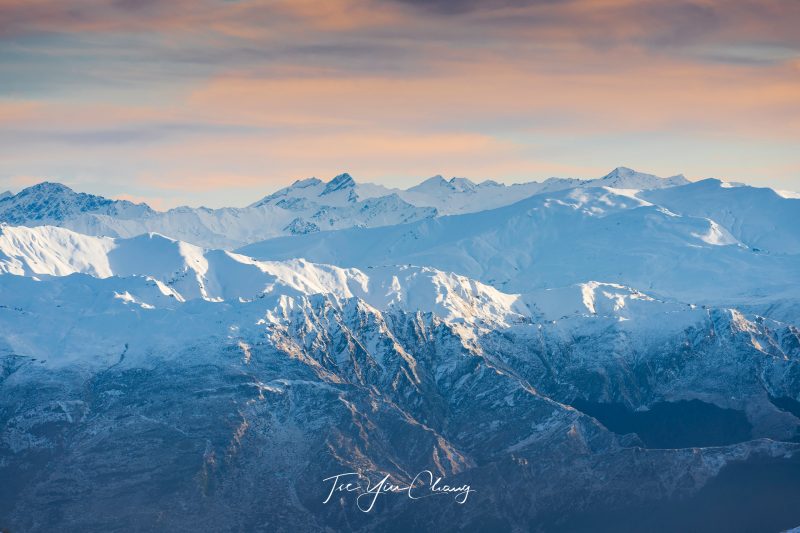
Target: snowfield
{"type": "Point", "coordinates": [673, 249]}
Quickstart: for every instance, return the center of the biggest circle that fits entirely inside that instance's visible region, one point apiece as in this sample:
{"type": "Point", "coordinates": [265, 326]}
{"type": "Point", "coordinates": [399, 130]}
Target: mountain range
{"type": "Point", "coordinates": [619, 354]}
{"type": "Point", "coordinates": [307, 206]}
{"type": "Point", "coordinates": [570, 236]}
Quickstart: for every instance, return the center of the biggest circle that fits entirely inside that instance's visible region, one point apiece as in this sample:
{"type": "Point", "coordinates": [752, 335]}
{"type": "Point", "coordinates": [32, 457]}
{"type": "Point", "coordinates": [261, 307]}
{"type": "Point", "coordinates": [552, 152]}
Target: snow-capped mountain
{"type": "Point", "coordinates": [615, 235]}
{"type": "Point", "coordinates": [456, 195]}
{"type": "Point", "coordinates": [57, 205]}
{"type": "Point", "coordinates": [341, 190]}
{"type": "Point", "coordinates": [176, 405]}
{"type": "Point", "coordinates": [306, 206]}
{"type": "Point", "coordinates": [759, 217]}
{"type": "Point", "coordinates": [49, 202]}
{"type": "Point", "coordinates": [187, 272]}
{"type": "Point", "coordinates": [584, 353]}
{"type": "Point", "coordinates": [627, 178]}
{"type": "Point", "coordinates": [460, 195]}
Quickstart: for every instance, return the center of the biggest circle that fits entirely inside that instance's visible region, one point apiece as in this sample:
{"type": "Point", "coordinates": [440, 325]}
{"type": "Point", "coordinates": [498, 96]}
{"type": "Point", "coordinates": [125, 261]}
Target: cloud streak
{"type": "Point", "coordinates": [144, 95]}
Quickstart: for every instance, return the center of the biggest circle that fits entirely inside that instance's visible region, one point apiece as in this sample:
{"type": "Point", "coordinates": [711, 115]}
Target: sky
{"type": "Point", "coordinates": [211, 102]}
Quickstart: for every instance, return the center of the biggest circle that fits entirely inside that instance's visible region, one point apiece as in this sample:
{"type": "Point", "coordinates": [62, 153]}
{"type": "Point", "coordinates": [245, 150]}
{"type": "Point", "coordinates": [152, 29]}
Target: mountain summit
{"type": "Point", "coordinates": [338, 191]}
{"type": "Point", "coordinates": [627, 178]}
{"type": "Point", "coordinates": [340, 182]}
{"type": "Point", "coordinates": [55, 203]}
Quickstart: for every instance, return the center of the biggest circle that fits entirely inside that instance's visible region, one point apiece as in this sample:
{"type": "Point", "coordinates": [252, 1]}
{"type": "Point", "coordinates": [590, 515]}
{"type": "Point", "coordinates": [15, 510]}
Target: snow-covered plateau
{"type": "Point", "coordinates": [618, 354]}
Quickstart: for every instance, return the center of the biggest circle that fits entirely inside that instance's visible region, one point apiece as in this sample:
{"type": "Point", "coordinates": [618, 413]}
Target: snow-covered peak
{"type": "Point", "coordinates": [340, 190]}
{"type": "Point", "coordinates": [48, 197]}
{"type": "Point", "coordinates": [461, 195]}
{"type": "Point", "coordinates": [49, 202]}
{"type": "Point", "coordinates": [433, 183]}
{"type": "Point", "coordinates": [305, 188]}
{"type": "Point", "coordinates": [299, 208]}
{"type": "Point", "coordinates": [6, 194]}
{"type": "Point", "coordinates": [339, 183]}
{"type": "Point", "coordinates": [48, 250]}
{"type": "Point", "coordinates": [308, 182]}
{"type": "Point", "coordinates": [307, 206]}
{"type": "Point", "coordinates": [698, 243]}
{"type": "Point", "coordinates": [47, 187]}
{"type": "Point", "coordinates": [191, 272]}
{"type": "Point", "coordinates": [437, 185]}
{"type": "Point", "coordinates": [462, 184]}
{"type": "Point", "coordinates": [627, 178]}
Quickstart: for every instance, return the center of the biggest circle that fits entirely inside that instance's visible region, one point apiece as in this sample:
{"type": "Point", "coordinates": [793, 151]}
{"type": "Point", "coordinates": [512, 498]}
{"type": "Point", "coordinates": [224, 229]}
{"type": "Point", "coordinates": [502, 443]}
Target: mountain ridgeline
{"type": "Point", "coordinates": [307, 206]}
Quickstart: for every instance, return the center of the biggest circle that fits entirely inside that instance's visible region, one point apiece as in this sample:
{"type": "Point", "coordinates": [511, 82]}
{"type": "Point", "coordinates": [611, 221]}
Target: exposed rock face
{"type": "Point", "coordinates": [236, 428]}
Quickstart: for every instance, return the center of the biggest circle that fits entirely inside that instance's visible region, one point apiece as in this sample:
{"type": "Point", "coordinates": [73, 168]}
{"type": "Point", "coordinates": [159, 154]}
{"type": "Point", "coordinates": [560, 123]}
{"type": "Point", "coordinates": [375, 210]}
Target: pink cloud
{"type": "Point", "coordinates": [250, 95]}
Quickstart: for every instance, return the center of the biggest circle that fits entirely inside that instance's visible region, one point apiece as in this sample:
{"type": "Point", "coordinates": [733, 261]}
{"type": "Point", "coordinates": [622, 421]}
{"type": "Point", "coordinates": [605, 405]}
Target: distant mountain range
{"type": "Point", "coordinates": [306, 206]}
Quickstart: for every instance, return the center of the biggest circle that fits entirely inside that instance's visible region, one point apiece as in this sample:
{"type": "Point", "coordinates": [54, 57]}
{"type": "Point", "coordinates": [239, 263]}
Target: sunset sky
{"type": "Point", "coordinates": [220, 102]}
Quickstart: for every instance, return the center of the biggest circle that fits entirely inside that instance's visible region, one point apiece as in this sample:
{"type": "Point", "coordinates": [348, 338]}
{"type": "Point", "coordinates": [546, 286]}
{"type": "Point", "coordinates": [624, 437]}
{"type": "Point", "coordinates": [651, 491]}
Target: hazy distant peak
{"type": "Point", "coordinates": [308, 182]}
{"type": "Point", "coordinates": [628, 178]}
{"type": "Point", "coordinates": [432, 183]}
{"type": "Point", "coordinates": [462, 184]}
{"type": "Point", "coordinates": [622, 172]}
{"type": "Point", "coordinates": [438, 183]}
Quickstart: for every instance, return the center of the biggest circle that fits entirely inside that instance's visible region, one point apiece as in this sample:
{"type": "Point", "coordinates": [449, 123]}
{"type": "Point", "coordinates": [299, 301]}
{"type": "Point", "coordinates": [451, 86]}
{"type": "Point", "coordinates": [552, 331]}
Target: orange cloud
{"type": "Point", "coordinates": [641, 95]}
{"type": "Point", "coordinates": [249, 95]}
{"type": "Point", "coordinates": [19, 111]}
